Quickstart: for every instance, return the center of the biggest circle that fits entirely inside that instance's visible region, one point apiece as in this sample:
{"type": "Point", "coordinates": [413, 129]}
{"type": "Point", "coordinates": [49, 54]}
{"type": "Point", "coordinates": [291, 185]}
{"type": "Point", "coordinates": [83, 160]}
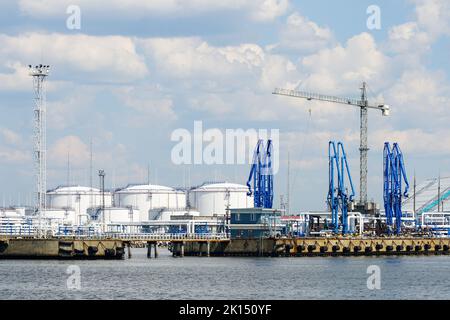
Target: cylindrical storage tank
{"type": "Point", "coordinates": [121, 215]}
{"type": "Point", "coordinates": [166, 214]}
{"type": "Point", "coordinates": [78, 198]}
{"type": "Point", "coordinates": [67, 216]}
{"type": "Point", "coordinates": [213, 199]}
{"type": "Point", "coordinates": [148, 197]}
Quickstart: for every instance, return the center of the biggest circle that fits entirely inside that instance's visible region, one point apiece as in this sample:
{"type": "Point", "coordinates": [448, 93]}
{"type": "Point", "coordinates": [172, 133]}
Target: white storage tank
{"type": "Point", "coordinates": [78, 198]}
{"type": "Point", "coordinates": [213, 199]}
{"type": "Point", "coordinates": [166, 214]}
{"type": "Point", "coordinates": [63, 216]}
{"type": "Point", "coordinates": [121, 215]}
{"type": "Point", "coordinates": [147, 197]}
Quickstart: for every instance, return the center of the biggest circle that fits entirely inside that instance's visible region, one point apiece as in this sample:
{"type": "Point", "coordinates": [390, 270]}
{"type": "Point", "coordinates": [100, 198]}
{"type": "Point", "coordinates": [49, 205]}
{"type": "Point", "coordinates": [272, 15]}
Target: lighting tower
{"type": "Point", "coordinates": [39, 74]}
{"type": "Point", "coordinates": [364, 105]}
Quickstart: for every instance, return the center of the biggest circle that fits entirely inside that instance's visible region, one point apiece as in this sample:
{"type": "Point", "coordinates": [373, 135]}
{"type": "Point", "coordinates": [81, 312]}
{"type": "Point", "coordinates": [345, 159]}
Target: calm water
{"type": "Point", "coordinates": [228, 278]}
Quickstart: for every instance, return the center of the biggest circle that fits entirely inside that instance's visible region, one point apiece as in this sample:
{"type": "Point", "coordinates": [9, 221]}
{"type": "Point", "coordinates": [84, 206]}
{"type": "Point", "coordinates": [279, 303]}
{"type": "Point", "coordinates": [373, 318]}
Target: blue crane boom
{"type": "Point", "coordinates": [394, 173]}
{"type": "Point", "coordinates": [338, 197]}
{"type": "Point", "coordinates": [261, 176]}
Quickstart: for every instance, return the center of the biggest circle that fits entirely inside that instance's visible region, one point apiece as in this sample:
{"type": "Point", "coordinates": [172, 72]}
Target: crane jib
{"type": "Point", "coordinates": [320, 97]}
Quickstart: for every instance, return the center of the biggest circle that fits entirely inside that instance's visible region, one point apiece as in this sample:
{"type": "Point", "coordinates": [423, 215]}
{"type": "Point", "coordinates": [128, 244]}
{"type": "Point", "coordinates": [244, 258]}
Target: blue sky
{"type": "Point", "coordinates": [138, 70]}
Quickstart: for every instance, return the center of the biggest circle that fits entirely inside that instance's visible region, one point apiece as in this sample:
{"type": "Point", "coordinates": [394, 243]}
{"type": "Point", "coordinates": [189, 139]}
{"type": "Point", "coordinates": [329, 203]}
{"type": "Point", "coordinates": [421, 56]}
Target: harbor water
{"type": "Point", "coordinates": [401, 277]}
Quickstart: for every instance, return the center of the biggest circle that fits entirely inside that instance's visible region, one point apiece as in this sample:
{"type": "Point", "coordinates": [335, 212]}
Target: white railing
{"type": "Point", "coordinates": [170, 236]}
{"type": "Point", "coordinates": [152, 236]}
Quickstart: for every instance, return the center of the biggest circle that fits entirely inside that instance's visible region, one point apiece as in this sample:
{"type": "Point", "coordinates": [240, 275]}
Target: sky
{"type": "Point", "coordinates": [135, 71]}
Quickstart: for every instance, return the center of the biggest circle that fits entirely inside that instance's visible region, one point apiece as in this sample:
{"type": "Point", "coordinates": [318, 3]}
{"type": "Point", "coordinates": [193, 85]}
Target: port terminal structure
{"type": "Point", "coordinates": [344, 229]}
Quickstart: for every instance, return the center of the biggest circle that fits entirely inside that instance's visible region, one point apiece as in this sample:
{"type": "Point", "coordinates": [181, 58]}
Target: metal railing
{"type": "Point", "coordinates": [170, 236]}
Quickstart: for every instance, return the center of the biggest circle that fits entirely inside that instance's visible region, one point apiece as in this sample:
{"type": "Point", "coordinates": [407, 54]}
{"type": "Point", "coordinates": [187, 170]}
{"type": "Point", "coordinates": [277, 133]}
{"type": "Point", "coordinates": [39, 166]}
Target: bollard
{"type": "Point", "coordinates": [208, 248]}
{"type": "Point", "coordinates": [149, 250]}
{"type": "Point", "coordinates": [156, 249]}
{"type": "Point", "coordinates": [182, 249]}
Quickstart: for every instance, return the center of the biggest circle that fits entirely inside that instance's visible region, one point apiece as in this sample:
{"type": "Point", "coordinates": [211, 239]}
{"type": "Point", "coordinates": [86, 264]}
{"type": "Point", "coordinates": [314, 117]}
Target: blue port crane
{"type": "Point", "coordinates": [338, 197]}
{"type": "Point", "coordinates": [394, 174]}
{"type": "Point", "coordinates": [261, 175]}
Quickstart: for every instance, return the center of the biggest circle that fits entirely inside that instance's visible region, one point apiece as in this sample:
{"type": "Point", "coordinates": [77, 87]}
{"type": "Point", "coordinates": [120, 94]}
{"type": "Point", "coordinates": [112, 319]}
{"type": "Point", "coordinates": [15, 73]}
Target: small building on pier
{"type": "Point", "coordinates": [250, 223]}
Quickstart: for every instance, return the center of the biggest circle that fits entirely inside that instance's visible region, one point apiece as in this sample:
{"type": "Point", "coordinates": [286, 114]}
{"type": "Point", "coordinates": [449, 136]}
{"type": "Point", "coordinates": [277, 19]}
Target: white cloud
{"type": "Point", "coordinates": [267, 10]}
{"type": "Point", "coordinates": [149, 102]}
{"type": "Point", "coordinates": [195, 58]}
{"type": "Point", "coordinates": [416, 141]}
{"type": "Point", "coordinates": [108, 58]}
{"type": "Point", "coordinates": [420, 97]}
{"type": "Point", "coordinates": [71, 146]}
{"type": "Point", "coordinates": [14, 156]}
{"type": "Point", "coordinates": [11, 147]}
{"type": "Point", "coordinates": [17, 80]}
{"type": "Point", "coordinates": [434, 16]}
{"type": "Point", "coordinates": [299, 34]}
{"type": "Point", "coordinates": [10, 137]}
{"type": "Point", "coordinates": [340, 69]}
{"type": "Point", "coordinates": [260, 10]}
{"type": "Point", "coordinates": [413, 39]}
{"type": "Point", "coordinates": [408, 39]}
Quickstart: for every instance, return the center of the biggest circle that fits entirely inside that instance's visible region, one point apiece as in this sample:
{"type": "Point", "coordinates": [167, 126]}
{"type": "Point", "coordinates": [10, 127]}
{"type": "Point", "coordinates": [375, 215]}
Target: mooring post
{"type": "Point", "coordinates": [182, 249]}
{"type": "Point", "coordinates": [129, 250]}
{"type": "Point", "coordinates": [208, 248]}
{"type": "Point", "coordinates": [156, 249]}
{"type": "Point", "coordinates": [149, 250]}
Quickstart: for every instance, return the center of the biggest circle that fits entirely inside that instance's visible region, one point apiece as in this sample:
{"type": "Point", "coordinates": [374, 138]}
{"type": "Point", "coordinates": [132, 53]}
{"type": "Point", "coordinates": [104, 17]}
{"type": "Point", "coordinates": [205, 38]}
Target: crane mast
{"type": "Point", "coordinates": [364, 106]}
{"type": "Point", "coordinates": [363, 147]}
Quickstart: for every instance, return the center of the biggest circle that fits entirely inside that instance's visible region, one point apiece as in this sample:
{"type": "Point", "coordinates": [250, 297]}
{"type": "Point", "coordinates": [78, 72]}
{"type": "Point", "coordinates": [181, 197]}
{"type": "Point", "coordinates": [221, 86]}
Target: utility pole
{"type": "Point", "coordinates": [414, 198]}
{"type": "Point", "coordinates": [39, 74]}
{"type": "Point", "coordinates": [288, 195]}
{"type": "Point", "coordinates": [439, 193]}
{"type": "Point", "coordinates": [91, 193]}
{"type": "Point", "coordinates": [101, 174]}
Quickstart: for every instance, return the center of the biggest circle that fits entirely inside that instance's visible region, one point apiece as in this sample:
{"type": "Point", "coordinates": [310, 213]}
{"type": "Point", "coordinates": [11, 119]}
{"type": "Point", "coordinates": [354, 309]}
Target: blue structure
{"type": "Point", "coordinates": [394, 174]}
{"type": "Point", "coordinates": [262, 176]}
{"type": "Point", "coordinates": [338, 197]}
{"type": "Point", "coordinates": [250, 223]}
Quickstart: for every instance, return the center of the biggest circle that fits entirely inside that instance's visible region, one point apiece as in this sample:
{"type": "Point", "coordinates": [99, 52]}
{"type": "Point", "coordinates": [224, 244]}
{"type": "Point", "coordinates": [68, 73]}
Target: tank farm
{"type": "Point", "coordinates": [222, 218]}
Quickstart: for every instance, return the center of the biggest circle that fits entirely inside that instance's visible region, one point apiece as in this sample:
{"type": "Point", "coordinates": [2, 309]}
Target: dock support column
{"type": "Point", "coordinates": [156, 250]}
{"type": "Point", "coordinates": [149, 250]}
{"type": "Point", "coordinates": [182, 249]}
{"type": "Point", "coordinates": [129, 250]}
{"type": "Point", "coordinates": [208, 248]}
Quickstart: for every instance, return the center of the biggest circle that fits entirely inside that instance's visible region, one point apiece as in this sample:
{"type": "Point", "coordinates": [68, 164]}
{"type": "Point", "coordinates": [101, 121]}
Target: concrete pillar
{"type": "Point", "coordinates": [149, 250]}
{"type": "Point", "coordinates": [208, 247]}
{"type": "Point", "coordinates": [156, 250]}
{"type": "Point", "coordinates": [182, 249]}
{"type": "Point", "coordinates": [129, 250]}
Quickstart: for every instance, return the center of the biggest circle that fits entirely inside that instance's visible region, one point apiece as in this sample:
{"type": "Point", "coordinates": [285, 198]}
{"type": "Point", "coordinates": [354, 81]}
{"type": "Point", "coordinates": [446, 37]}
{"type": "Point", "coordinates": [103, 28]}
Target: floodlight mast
{"type": "Point", "coordinates": [39, 74]}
